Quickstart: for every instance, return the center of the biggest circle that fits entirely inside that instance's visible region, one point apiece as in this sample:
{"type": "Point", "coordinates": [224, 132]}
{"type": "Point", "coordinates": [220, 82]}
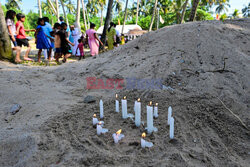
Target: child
{"type": "Point", "coordinates": [80, 47]}
{"type": "Point", "coordinates": [58, 51]}
{"type": "Point", "coordinates": [65, 47]}
{"type": "Point", "coordinates": [21, 36]}
{"type": "Point", "coordinates": [42, 42]}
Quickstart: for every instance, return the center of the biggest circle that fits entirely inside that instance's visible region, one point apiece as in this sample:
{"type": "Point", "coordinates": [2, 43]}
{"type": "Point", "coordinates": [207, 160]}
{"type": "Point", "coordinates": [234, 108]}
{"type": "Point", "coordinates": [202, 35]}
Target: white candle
{"type": "Point", "coordinates": [171, 128]}
{"type": "Point", "coordinates": [116, 104]}
{"type": "Point", "coordinates": [95, 120]}
{"type": "Point", "coordinates": [145, 143]}
{"type": "Point", "coordinates": [100, 129]}
{"type": "Point", "coordinates": [150, 126]}
{"type": "Point", "coordinates": [156, 110]}
{"type": "Point", "coordinates": [101, 109]}
{"type": "Point", "coordinates": [124, 108]}
{"type": "Point", "coordinates": [169, 114]}
{"type": "Point", "coordinates": [138, 113]}
{"type": "Point", "coordinates": [118, 136]}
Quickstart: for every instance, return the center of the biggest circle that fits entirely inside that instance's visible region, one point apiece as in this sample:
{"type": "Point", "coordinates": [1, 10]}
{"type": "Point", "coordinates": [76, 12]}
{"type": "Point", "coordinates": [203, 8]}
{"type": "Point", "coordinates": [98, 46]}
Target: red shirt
{"type": "Point", "coordinates": [22, 34]}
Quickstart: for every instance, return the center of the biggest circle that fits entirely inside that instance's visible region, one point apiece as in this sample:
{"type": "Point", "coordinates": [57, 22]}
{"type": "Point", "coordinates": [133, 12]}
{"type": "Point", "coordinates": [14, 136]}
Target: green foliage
{"type": "Point", "coordinates": [203, 15]}
{"type": "Point", "coordinates": [223, 17]}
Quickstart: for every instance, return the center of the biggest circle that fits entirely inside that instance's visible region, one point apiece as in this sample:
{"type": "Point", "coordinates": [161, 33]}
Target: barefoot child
{"type": "Point", "coordinates": [21, 36]}
{"type": "Point", "coordinates": [58, 51]}
{"type": "Point", "coordinates": [65, 47]}
{"type": "Point", "coordinates": [42, 42]}
{"type": "Point", "coordinates": [80, 47]}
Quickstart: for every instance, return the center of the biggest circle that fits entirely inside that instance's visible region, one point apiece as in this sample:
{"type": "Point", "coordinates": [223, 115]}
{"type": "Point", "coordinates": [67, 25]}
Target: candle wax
{"type": "Point", "coordinates": [169, 114]}
{"type": "Point", "coordinates": [101, 109]}
{"type": "Point", "coordinates": [145, 143]}
{"type": "Point", "coordinates": [117, 137]}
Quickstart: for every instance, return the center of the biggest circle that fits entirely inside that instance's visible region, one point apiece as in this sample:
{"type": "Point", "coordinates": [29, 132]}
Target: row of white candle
{"type": "Point", "coordinates": [151, 112]}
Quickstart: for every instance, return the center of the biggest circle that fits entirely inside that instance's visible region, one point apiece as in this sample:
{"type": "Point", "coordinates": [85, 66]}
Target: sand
{"type": "Point", "coordinates": [53, 127]}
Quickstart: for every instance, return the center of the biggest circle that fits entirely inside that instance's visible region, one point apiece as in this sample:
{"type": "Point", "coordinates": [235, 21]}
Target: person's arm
{"type": "Point", "coordinates": [67, 39]}
{"type": "Point", "coordinates": [17, 30]}
{"type": "Point", "coordinates": [37, 30]}
{"type": "Point", "coordinates": [12, 35]}
{"type": "Point", "coordinates": [31, 30]}
{"type": "Point", "coordinates": [96, 37]}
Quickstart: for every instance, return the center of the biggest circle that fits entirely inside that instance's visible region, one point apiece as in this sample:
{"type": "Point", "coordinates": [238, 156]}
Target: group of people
{"type": "Point", "coordinates": [60, 39]}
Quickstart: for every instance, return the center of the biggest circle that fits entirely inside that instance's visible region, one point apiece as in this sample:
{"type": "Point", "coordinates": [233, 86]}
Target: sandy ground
{"type": "Point", "coordinates": [53, 127]}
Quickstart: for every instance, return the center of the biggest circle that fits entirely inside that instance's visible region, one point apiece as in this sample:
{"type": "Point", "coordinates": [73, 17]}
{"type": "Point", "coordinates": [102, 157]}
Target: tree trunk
{"type": "Point", "coordinates": [64, 12]}
{"type": "Point", "coordinates": [194, 10]}
{"type": "Point", "coordinates": [57, 10]}
{"type": "Point", "coordinates": [52, 6]}
{"type": "Point", "coordinates": [40, 9]}
{"type": "Point", "coordinates": [87, 14]}
{"type": "Point", "coordinates": [107, 21]}
{"type": "Point", "coordinates": [84, 16]}
{"type": "Point", "coordinates": [153, 16]}
{"type": "Point", "coordinates": [77, 22]}
{"type": "Point", "coordinates": [101, 15]}
{"type": "Point", "coordinates": [137, 12]}
{"type": "Point", "coordinates": [184, 11]}
{"type": "Point", "coordinates": [125, 16]}
{"type": "Point", "coordinates": [5, 45]}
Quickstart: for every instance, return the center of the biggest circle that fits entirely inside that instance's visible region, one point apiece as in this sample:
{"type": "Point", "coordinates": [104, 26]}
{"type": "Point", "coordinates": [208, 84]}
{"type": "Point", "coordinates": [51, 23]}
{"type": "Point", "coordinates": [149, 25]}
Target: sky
{"type": "Point", "coordinates": [28, 5]}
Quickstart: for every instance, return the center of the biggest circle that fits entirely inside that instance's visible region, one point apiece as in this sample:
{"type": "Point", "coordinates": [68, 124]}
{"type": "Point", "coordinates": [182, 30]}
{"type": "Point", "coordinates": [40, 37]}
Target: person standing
{"type": "Point", "coordinates": [65, 47]}
{"type": "Point", "coordinates": [21, 36]}
{"type": "Point", "coordinates": [118, 36]}
{"type": "Point", "coordinates": [42, 41]}
{"type": "Point", "coordinates": [47, 29]}
{"type": "Point", "coordinates": [75, 35]}
{"type": "Point", "coordinates": [92, 40]}
{"type": "Point", "coordinates": [111, 34]}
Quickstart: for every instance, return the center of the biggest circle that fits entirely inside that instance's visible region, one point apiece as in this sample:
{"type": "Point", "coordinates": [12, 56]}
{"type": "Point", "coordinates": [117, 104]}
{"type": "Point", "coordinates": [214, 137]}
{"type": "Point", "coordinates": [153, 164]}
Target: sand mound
{"type": "Point", "coordinates": [199, 64]}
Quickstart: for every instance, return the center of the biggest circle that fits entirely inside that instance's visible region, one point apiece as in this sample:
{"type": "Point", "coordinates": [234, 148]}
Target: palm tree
{"type": "Point", "coordinates": [137, 12]}
{"type": "Point", "coordinates": [64, 12]}
{"type": "Point", "coordinates": [70, 7]}
{"type": "Point", "coordinates": [52, 6]}
{"type": "Point", "coordinates": [5, 46]}
{"type": "Point", "coordinates": [102, 4]}
{"type": "Point", "coordinates": [13, 4]}
{"type": "Point", "coordinates": [222, 6]}
{"type": "Point", "coordinates": [84, 16]}
{"type": "Point", "coordinates": [195, 5]}
{"type": "Point", "coordinates": [125, 15]}
{"type": "Point", "coordinates": [57, 10]}
{"type": "Point", "coordinates": [40, 9]}
{"type": "Point", "coordinates": [153, 15]}
{"type": "Point", "coordinates": [184, 11]}
{"type": "Point", "coordinates": [246, 11]}
{"type": "Point", "coordinates": [77, 22]}
{"type": "Point", "coordinates": [107, 21]}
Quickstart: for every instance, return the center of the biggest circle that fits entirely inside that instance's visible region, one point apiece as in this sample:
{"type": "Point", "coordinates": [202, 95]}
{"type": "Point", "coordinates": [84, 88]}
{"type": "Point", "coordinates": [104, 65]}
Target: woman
{"type": "Point", "coordinates": [42, 42]}
{"type": "Point", "coordinates": [111, 34]}
{"type": "Point", "coordinates": [10, 16]}
{"type": "Point", "coordinates": [93, 39]}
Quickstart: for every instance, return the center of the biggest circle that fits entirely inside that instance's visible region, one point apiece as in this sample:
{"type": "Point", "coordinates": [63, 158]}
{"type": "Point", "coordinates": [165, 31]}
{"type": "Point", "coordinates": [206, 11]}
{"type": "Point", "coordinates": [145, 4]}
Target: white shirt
{"type": "Point", "coordinates": [118, 32]}
{"type": "Point", "coordinates": [11, 23]}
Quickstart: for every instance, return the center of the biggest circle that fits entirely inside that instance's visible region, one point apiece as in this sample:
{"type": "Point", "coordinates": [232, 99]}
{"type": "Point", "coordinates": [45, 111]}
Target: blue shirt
{"type": "Point", "coordinates": [47, 28]}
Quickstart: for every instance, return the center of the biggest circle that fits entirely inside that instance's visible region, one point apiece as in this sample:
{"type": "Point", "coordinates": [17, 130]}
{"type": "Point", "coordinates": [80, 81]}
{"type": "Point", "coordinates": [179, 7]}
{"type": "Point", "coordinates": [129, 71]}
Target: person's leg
{"type": "Point", "coordinates": [45, 53]}
{"type": "Point", "coordinates": [18, 52]}
{"type": "Point", "coordinates": [49, 55]}
{"type": "Point", "coordinates": [39, 55]}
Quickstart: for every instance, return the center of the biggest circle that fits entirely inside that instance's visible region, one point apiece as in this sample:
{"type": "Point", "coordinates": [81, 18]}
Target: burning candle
{"type": "Point", "coordinates": [100, 129]}
{"type": "Point", "coordinates": [124, 108]}
{"type": "Point", "coordinates": [116, 103]}
{"type": "Point", "coordinates": [95, 120]}
{"type": "Point", "coordinates": [169, 114]}
{"type": "Point", "coordinates": [118, 136]}
{"type": "Point", "coordinates": [150, 122]}
{"type": "Point", "coordinates": [156, 110]}
{"type": "Point", "coordinates": [145, 143]}
{"type": "Point", "coordinates": [171, 128]}
{"type": "Point", "coordinates": [138, 113]}
{"type": "Point", "coordinates": [101, 109]}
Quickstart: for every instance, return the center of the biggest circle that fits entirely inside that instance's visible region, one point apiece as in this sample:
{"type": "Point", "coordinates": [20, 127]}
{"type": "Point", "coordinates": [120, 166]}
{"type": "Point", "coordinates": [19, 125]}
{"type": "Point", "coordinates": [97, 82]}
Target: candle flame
{"type": "Point", "coordinates": [156, 104]}
{"type": "Point", "coordinates": [119, 132]}
{"type": "Point", "coordinates": [139, 100]}
{"type": "Point", "coordinates": [124, 97]}
{"type": "Point", "coordinates": [116, 95]}
{"type": "Point", "coordinates": [99, 123]}
{"type": "Point", "coordinates": [143, 135]}
{"type": "Point", "coordinates": [94, 115]}
{"type": "Point", "coordinates": [150, 103]}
